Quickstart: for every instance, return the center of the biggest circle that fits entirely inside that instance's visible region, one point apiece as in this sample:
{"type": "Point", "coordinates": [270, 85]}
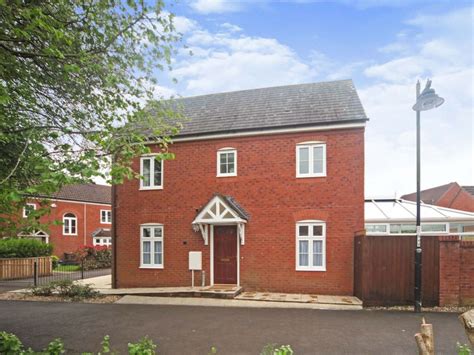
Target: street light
{"type": "Point", "coordinates": [425, 101]}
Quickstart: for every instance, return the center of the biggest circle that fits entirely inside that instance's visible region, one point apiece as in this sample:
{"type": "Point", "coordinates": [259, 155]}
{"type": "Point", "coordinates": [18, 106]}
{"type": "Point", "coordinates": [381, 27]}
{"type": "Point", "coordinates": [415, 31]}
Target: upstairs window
{"type": "Point", "coordinates": [311, 246]}
{"type": "Point", "coordinates": [69, 224]}
{"type": "Point", "coordinates": [151, 245]}
{"type": "Point", "coordinates": [105, 216]}
{"type": "Point", "coordinates": [151, 171]}
{"type": "Point", "coordinates": [227, 162]}
{"type": "Point", "coordinates": [29, 207]}
{"type": "Point", "coordinates": [310, 160]}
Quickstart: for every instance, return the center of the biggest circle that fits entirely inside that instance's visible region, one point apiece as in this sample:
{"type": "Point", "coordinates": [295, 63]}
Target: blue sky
{"type": "Point", "coordinates": [384, 46]}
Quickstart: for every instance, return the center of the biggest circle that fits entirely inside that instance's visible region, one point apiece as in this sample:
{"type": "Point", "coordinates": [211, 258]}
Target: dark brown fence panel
{"type": "Point", "coordinates": [384, 270]}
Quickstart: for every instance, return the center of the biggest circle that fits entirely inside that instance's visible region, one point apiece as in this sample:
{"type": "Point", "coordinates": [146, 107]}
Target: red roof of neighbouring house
{"type": "Point", "coordinates": [430, 196]}
{"type": "Point", "coordinates": [84, 192]}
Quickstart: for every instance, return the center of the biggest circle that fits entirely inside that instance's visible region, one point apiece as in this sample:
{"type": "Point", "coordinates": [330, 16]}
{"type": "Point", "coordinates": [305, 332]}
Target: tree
{"type": "Point", "coordinates": [74, 75]}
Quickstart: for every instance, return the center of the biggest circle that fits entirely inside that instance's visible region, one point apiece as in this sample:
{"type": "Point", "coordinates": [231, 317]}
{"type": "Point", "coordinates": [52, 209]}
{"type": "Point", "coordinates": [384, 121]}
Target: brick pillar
{"type": "Point", "coordinates": [449, 270]}
{"type": "Point", "coordinates": [466, 283]}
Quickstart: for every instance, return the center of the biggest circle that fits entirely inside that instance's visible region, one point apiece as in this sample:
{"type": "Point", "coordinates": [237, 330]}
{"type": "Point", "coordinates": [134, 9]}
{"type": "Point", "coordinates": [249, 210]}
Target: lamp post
{"type": "Point", "coordinates": [425, 101]}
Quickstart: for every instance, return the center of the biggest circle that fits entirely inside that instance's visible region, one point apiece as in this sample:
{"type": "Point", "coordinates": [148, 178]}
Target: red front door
{"type": "Point", "coordinates": [225, 255]}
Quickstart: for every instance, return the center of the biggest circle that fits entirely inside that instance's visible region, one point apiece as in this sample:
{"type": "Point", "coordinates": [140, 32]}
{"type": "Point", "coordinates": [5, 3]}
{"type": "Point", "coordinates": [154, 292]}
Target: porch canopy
{"type": "Point", "coordinates": [221, 210]}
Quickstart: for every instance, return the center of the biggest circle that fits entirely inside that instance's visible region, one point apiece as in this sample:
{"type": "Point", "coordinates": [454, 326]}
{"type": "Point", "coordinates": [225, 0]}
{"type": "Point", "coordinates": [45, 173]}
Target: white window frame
{"type": "Point", "coordinates": [102, 241]}
{"type": "Point", "coordinates": [387, 228]}
{"type": "Point", "coordinates": [67, 221]}
{"type": "Point", "coordinates": [152, 239]}
{"type": "Point", "coordinates": [226, 151]}
{"type": "Point", "coordinates": [105, 220]}
{"type": "Point", "coordinates": [310, 238]}
{"type": "Point", "coordinates": [446, 228]}
{"type": "Point", "coordinates": [153, 161]}
{"type": "Point", "coordinates": [310, 146]}
{"type": "Point", "coordinates": [25, 215]}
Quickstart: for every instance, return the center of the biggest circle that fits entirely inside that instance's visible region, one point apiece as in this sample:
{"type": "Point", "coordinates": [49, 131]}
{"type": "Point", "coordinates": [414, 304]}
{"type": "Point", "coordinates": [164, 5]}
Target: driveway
{"type": "Point", "coordinates": [193, 330]}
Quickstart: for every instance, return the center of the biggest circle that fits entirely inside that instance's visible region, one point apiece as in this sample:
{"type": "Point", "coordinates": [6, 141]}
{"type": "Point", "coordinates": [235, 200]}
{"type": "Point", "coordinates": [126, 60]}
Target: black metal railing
{"type": "Point", "coordinates": [26, 273]}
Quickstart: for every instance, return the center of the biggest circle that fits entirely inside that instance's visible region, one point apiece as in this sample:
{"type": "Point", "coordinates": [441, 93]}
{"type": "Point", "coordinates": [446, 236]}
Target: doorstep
{"type": "Point", "coordinates": [216, 291]}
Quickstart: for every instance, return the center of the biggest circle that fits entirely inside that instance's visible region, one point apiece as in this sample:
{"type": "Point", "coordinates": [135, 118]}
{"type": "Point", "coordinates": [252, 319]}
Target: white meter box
{"type": "Point", "coordinates": [195, 260]}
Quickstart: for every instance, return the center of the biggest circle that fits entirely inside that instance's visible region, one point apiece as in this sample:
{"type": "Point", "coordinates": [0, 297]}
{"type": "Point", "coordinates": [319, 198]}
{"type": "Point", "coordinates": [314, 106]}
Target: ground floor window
{"type": "Point", "coordinates": [311, 246]}
{"type": "Point", "coordinates": [151, 246]}
{"type": "Point", "coordinates": [107, 241]}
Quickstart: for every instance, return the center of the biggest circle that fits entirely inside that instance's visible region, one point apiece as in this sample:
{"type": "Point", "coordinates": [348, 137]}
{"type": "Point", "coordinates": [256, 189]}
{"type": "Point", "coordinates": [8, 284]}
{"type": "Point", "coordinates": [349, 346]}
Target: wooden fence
{"type": "Point", "coordinates": [20, 268]}
{"type": "Point", "coordinates": [384, 268]}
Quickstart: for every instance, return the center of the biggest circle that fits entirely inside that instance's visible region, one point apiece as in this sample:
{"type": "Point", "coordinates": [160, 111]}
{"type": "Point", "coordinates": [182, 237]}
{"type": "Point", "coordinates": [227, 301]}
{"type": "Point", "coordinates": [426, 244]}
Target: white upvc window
{"type": "Point", "coordinates": [311, 246]}
{"type": "Point", "coordinates": [151, 246]}
{"type": "Point", "coordinates": [310, 160]}
{"type": "Point", "coordinates": [151, 171]}
{"type": "Point", "coordinates": [376, 228]}
{"type": "Point", "coordinates": [226, 162]}
{"type": "Point", "coordinates": [105, 216]}
{"type": "Point", "coordinates": [29, 207]}
{"type": "Point", "coordinates": [69, 224]}
{"type": "Point", "coordinates": [107, 241]}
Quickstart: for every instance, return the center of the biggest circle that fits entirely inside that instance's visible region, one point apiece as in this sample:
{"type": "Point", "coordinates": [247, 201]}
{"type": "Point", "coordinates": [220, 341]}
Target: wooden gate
{"type": "Point", "coordinates": [385, 266]}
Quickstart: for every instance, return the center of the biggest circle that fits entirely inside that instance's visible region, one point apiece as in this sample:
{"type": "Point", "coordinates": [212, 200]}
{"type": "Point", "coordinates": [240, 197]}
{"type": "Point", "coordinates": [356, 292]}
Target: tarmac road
{"type": "Point", "coordinates": [193, 330]}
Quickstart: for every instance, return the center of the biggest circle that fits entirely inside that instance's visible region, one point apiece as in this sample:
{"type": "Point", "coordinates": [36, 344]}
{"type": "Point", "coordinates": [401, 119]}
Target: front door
{"type": "Point", "coordinates": [225, 255]}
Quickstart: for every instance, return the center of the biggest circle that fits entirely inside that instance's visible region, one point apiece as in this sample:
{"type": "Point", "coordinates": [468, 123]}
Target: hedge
{"type": "Point", "coordinates": [24, 248]}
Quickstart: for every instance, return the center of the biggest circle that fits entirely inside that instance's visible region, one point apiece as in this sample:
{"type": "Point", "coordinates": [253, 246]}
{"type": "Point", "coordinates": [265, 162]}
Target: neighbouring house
{"type": "Point", "coordinates": [85, 213]}
{"type": "Point", "coordinates": [267, 188]}
{"type": "Point", "coordinates": [451, 195]}
{"type": "Point", "coordinates": [398, 217]}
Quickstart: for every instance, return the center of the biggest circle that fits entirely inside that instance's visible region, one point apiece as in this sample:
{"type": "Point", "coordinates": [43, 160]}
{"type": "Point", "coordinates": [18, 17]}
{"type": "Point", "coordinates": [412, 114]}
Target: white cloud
{"type": "Point", "coordinates": [440, 50]}
{"type": "Point", "coordinates": [215, 6]}
{"type": "Point", "coordinates": [228, 60]}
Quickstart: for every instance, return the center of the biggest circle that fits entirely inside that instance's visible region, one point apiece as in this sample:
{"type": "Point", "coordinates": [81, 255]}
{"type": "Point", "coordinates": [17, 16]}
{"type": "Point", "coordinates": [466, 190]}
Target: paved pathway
{"type": "Point", "coordinates": [193, 330]}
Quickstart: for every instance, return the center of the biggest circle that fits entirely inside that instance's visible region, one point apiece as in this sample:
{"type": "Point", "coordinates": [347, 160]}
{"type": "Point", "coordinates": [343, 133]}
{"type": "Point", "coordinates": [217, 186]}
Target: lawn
{"type": "Point", "coordinates": [66, 268]}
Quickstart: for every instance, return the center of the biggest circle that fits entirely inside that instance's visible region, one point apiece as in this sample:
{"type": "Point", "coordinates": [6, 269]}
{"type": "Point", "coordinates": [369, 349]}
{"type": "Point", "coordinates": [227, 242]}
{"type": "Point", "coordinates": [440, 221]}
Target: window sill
{"type": "Point", "coordinates": [105, 222]}
{"type": "Point", "coordinates": [303, 269]}
{"type": "Point", "coordinates": [310, 176]}
{"type": "Point", "coordinates": [69, 235]}
{"type": "Point", "coordinates": [226, 175]}
{"type": "Point", "coordinates": [151, 188]}
{"type": "Point", "coordinates": [151, 267]}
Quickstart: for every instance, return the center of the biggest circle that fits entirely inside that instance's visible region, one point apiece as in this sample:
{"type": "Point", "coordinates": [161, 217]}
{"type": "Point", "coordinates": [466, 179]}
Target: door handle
{"type": "Point", "coordinates": [225, 259]}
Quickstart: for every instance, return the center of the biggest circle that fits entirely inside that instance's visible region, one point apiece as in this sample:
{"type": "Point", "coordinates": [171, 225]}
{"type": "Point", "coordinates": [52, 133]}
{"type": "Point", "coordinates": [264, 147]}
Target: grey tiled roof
{"type": "Point", "coordinates": [274, 107]}
{"type": "Point", "coordinates": [84, 192]}
{"type": "Point", "coordinates": [236, 207]}
{"type": "Point", "coordinates": [469, 189]}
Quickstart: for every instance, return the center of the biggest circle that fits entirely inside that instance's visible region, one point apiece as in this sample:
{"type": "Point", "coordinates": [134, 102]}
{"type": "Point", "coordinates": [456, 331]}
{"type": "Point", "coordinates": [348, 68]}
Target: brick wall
{"type": "Point", "coordinates": [456, 271]}
{"type": "Point", "coordinates": [88, 220]}
{"type": "Point", "coordinates": [267, 188]}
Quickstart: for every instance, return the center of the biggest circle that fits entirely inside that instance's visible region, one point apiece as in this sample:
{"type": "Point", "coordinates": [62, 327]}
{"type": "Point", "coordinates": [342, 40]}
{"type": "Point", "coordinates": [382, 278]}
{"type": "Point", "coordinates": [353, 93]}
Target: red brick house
{"type": "Point", "coordinates": [85, 213]}
{"type": "Point", "coordinates": [267, 186]}
{"type": "Point", "coordinates": [451, 195]}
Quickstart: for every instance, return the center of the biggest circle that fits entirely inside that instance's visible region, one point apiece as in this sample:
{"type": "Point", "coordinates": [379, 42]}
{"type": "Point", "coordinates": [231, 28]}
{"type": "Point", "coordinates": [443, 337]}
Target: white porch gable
{"type": "Point", "coordinates": [218, 212]}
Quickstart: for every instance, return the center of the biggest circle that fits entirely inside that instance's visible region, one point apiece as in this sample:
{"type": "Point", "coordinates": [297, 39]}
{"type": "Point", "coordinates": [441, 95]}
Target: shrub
{"type": "Point", "coordinates": [95, 257]}
{"type": "Point", "coordinates": [145, 346]}
{"type": "Point", "coordinates": [67, 289]}
{"type": "Point", "coordinates": [11, 345]}
{"type": "Point", "coordinates": [54, 261]}
{"type": "Point", "coordinates": [273, 349]}
{"type": "Point", "coordinates": [46, 290]}
{"type": "Point", "coordinates": [23, 248]}
{"type": "Point", "coordinates": [75, 291]}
